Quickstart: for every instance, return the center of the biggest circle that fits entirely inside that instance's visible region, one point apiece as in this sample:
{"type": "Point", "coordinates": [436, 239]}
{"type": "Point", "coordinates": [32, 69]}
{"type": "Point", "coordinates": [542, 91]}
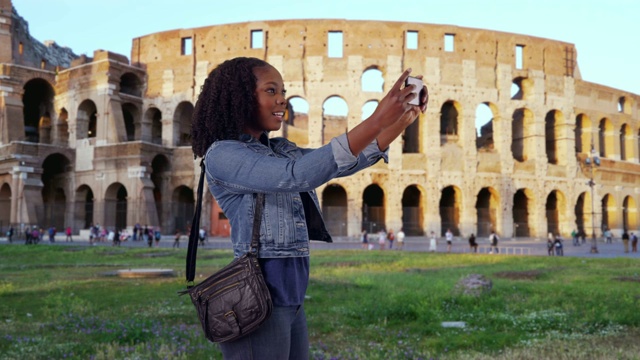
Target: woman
{"type": "Point", "coordinates": [432, 242]}
{"type": "Point", "coordinates": [242, 100]}
{"type": "Point", "coordinates": [364, 239]}
{"type": "Point", "coordinates": [473, 245]}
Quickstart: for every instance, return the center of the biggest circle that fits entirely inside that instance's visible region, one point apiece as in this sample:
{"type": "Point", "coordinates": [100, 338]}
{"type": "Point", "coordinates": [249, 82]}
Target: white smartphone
{"type": "Point", "coordinates": [418, 90]}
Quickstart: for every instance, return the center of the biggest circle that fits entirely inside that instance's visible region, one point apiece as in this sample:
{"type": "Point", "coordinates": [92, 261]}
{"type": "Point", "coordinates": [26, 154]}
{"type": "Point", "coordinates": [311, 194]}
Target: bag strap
{"type": "Point", "coordinates": [195, 228]}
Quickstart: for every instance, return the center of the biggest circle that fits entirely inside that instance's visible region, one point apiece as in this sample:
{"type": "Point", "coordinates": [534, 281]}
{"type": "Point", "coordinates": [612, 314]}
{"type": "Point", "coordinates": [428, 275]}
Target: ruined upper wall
{"type": "Point", "coordinates": [17, 46]}
{"type": "Point", "coordinates": [371, 43]}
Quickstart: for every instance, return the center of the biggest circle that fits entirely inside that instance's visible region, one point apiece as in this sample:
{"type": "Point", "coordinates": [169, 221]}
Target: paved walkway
{"type": "Point", "coordinates": [519, 246]}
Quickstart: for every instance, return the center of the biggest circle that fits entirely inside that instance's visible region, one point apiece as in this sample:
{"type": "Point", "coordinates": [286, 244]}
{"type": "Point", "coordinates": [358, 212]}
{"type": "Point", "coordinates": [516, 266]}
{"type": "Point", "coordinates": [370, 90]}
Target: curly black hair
{"type": "Point", "coordinates": [226, 102]}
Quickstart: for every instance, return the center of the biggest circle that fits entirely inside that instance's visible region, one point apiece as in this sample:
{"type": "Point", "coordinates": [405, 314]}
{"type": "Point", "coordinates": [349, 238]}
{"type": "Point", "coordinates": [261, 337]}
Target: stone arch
{"type": "Point", "coordinates": [411, 137]}
{"type": "Point", "coordinates": [37, 102]}
{"type": "Point", "coordinates": [55, 170]}
{"type": "Point", "coordinates": [182, 123]}
{"type": "Point", "coordinates": [296, 125]}
{"type": "Point", "coordinates": [629, 214]}
{"type": "Point", "coordinates": [84, 208]}
{"type": "Point", "coordinates": [555, 211]}
{"type": "Point", "coordinates": [624, 105]}
{"type": "Point", "coordinates": [372, 80]}
{"type": "Point", "coordinates": [522, 133]}
{"type": "Point", "coordinates": [583, 134]}
{"type": "Point", "coordinates": [335, 111]}
{"type": "Point", "coordinates": [132, 123]}
{"type": "Point", "coordinates": [487, 206]}
{"type": "Point", "coordinates": [626, 142]}
{"type": "Point", "coordinates": [608, 206]}
{"type": "Point", "coordinates": [450, 205]}
{"type": "Point", "coordinates": [153, 116]}
{"type": "Point", "coordinates": [412, 211]}
{"type": "Point", "coordinates": [183, 207]}
{"type": "Point", "coordinates": [522, 212]}
{"type": "Point", "coordinates": [130, 84]}
{"type": "Point", "coordinates": [335, 209]}
{"type": "Point", "coordinates": [485, 114]}
{"type": "Point", "coordinates": [373, 203]}
{"type": "Point", "coordinates": [638, 144]}
{"type": "Point", "coordinates": [160, 177]}
{"type": "Point", "coordinates": [521, 88]}
{"type": "Point", "coordinates": [584, 213]}
{"type": "Point", "coordinates": [553, 122]}
{"type": "Point", "coordinates": [115, 207]}
{"type": "Point", "coordinates": [605, 138]}
{"type": "Point", "coordinates": [449, 119]}
{"type": "Point", "coordinates": [5, 206]}
{"type": "Point", "coordinates": [86, 120]}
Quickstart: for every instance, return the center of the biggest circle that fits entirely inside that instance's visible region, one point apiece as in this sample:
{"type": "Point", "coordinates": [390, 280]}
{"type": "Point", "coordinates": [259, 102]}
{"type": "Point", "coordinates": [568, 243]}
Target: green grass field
{"type": "Point", "coordinates": [57, 303]}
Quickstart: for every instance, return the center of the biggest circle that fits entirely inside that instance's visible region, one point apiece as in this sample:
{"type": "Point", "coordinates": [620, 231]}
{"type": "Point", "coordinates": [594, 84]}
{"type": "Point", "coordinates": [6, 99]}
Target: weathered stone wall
{"type": "Point", "coordinates": [22, 49]}
{"type": "Point", "coordinates": [125, 126]}
{"type": "Point", "coordinates": [480, 69]}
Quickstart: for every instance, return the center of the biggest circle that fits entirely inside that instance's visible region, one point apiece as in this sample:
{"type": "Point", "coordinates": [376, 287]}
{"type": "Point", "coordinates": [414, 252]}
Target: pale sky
{"type": "Point", "coordinates": [605, 32]}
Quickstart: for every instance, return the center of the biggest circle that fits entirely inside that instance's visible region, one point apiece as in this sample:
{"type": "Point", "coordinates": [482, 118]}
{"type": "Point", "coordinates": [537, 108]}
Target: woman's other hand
{"type": "Point", "coordinates": [394, 104]}
{"type": "Point", "coordinates": [392, 115]}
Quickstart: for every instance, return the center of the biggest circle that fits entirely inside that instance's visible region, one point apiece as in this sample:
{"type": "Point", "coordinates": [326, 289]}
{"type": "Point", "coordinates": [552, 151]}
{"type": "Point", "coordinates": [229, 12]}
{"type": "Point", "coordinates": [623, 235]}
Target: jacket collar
{"type": "Point", "coordinates": [264, 138]}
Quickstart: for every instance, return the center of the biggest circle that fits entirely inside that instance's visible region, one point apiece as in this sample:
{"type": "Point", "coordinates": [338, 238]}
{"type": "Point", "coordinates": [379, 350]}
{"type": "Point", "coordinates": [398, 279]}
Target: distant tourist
{"type": "Point", "coordinates": [52, 234]}
{"type": "Point", "coordinates": [559, 245]}
{"type": "Point", "coordinates": [608, 236]}
{"type": "Point", "coordinates": [10, 234]}
{"type": "Point", "coordinates": [625, 240]}
{"type": "Point", "coordinates": [473, 245]}
{"type": "Point", "coordinates": [382, 238]}
{"type": "Point", "coordinates": [449, 237]}
{"type": "Point", "coordinates": [433, 243]}
{"type": "Point", "coordinates": [400, 239]}
{"type": "Point", "coordinates": [176, 241]}
{"type": "Point", "coordinates": [391, 237]}
{"type": "Point", "coordinates": [364, 239]}
{"type": "Point", "coordinates": [493, 240]}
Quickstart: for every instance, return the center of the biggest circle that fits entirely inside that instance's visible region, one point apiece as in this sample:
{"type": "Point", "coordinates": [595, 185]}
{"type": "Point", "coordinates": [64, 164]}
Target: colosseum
{"type": "Point", "coordinates": [106, 140]}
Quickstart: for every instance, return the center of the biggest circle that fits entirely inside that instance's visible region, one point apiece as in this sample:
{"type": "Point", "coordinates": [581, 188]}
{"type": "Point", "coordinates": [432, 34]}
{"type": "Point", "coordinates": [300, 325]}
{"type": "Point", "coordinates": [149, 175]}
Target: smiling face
{"type": "Point", "coordinates": [272, 104]}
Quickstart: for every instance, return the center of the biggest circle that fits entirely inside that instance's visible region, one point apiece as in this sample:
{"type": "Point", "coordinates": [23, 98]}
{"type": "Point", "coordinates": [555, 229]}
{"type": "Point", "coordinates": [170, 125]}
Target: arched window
{"type": "Point", "coordinates": [334, 118]}
{"type": "Point", "coordinates": [130, 84]}
{"type": "Point", "coordinates": [484, 126]}
{"type": "Point", "coordinates": [372, 80]}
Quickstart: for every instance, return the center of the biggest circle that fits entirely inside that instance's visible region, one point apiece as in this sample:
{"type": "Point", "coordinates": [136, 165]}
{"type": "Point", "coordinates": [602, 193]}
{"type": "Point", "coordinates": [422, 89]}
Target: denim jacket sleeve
{"type": "Point", "coordinates": [248, 167]}
{"type": "Point", "coordinates": [369, 156]}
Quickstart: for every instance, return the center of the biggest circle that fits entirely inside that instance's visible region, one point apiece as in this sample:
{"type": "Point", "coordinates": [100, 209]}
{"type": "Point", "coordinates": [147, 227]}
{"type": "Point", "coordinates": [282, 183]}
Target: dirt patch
{"type": "Point", "coordinates": [346, 264]}
{"type": "Point", "coordinates": [153, 255]}
{"type": "Point", "coordinates": [421, 270]}
{"type": "Point", "coordinates": [114, 252]}
{"type": "Point", "coordinates": [216, 256]}
{"type": "Point", "coordinates": [520, 275]}
{"type": "Point", "coordinates": [628, 278]}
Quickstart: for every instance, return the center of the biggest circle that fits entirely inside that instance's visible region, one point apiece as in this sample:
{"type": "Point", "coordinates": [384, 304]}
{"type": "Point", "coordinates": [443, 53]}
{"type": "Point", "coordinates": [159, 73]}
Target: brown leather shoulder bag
{"type": "Point", "coordinates": [235, 300]}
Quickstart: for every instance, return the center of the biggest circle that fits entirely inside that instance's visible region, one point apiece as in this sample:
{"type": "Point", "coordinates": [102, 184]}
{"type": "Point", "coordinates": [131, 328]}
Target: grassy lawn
{"type": "Point", "coordinates": [56, 302]}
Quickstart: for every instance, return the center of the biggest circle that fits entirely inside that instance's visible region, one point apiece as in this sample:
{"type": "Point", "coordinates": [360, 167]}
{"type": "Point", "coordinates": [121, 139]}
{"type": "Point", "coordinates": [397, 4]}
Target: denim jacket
{"type": "Point", "coordinates": [237, 169]}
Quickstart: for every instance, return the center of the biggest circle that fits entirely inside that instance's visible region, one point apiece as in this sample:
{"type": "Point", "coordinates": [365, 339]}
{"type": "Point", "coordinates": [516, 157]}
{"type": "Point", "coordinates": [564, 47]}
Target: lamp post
{"type": "Point", "coordinates": [591, 161]}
